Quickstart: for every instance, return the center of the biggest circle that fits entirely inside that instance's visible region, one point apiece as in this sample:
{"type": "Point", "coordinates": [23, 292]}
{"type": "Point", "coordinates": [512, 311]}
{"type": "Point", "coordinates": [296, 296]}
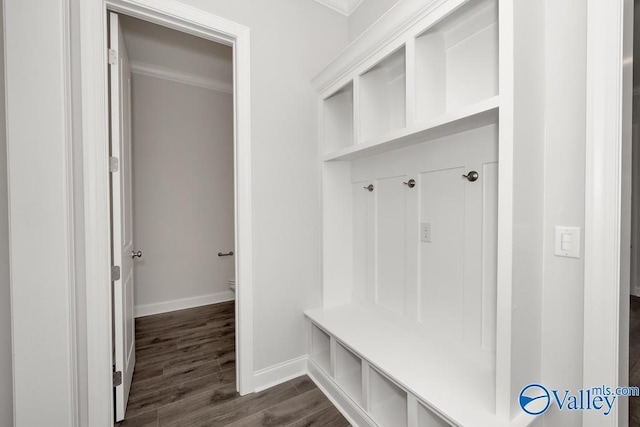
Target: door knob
{"type": "Point", "coordinates": [471, 176]}
{"type": "Point", "coordinates": [135, 254]}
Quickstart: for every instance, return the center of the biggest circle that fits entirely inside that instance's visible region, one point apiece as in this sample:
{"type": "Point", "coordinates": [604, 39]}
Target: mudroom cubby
{"type": "Point", "coordinates": [338, 119]}
{"type": "Point", "coordinates": [348, 373]}
{"type": "Point", "coordinates": [321, 349]}
{"type": "Point", "coordinates": [383, 97]}
{"type": "Point", "coordinates": [387, 401]}
{"type": "Point", "coordinates": [457, 61]}
{"type": "Point", "coordinates": [426, 418]}
{"type": "Point", "coordinates": [415, 262]}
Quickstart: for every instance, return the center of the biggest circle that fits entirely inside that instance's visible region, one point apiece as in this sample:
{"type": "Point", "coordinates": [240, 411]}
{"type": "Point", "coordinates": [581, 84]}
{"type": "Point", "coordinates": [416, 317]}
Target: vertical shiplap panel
{"type": "Point", "coordinates": [412, 242]}
{"type": "Point", "coordinates": [390, 242]}
{"type": "Point", "coordinates": [442, 260]}
{"type": "Point", "coordinates": [472, 255]}
{"type": "Point", "coordinates": [360, 244]}
{"type": "Point", "coordinates": [489, 254]}
{"type": "Point", "coordinates": [371, 245]}
{"type": "Point", "coordinates": [337, 248]}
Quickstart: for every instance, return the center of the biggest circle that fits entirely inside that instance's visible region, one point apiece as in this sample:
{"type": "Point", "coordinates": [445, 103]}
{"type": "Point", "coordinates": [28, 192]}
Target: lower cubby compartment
{"type": "Point", "coordinates": [387, 401]}
{"type": "Point", "coordinates": [410, 378]}
{"type": "Point", "coordinates": [321, 349]}
{"type": "Point", "coordinates": [426, 418]}
{"type": "Point", "coordinates": [348, 373]}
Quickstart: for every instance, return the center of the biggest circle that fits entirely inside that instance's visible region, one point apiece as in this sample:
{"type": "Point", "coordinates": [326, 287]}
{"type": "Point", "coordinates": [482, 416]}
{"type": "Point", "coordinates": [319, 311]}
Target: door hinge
{"type": "Point", "coordinates": [113, 57]}
{"type": "Point", "coordinates": [117, 378]}
{"type": "Point", "coordinates": [114, 164]}
{"type": "Point", "coordinates": [115, 273]}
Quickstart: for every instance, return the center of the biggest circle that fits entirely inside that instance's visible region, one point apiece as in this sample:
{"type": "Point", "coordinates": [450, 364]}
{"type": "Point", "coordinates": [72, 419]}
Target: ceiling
{"type": "Point", "coordinates": [346, 7]}
{"type": "Point", "coordinates": [163, 51]}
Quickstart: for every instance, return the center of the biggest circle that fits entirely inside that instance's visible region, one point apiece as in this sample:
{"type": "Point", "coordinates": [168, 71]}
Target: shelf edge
{"type": "Point", "coordinates": [473, 116]}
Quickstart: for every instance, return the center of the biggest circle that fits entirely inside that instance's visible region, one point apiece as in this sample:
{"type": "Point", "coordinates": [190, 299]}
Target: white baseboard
{"type": "Point", "coordinates": [635, 291]}
{"type": "Point", "coordinates": [347, 407]}
{"type": "Point", "coordinates": [181, 304]}
{"type": "Point", "coordinates": [280, 373]}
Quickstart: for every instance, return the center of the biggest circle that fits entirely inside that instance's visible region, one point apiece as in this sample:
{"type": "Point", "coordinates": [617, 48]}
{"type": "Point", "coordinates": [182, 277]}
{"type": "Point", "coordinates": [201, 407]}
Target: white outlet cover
{"type": "Point", "coordinates": [425, 232]}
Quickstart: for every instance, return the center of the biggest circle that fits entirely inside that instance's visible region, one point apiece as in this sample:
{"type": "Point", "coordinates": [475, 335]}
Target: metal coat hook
{"type": "Point", "coordinates": [369, 187]}
{"type": "Point", "coordinates": [471, 176]}
{"type": "Point", "coordinates": [411, 183]}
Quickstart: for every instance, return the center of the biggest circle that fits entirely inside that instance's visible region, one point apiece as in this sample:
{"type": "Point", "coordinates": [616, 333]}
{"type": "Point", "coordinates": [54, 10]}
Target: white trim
{"type": "Point", "coordinates": [183, 303]}
{"type": "Point", "coordinates": [280, 373]}
{"type": "Point", "coordinates": [345, 7]}
{"type": "Point", "coordinates": [606, 245]}
{"type": "Point", "coordinates": [152, 70]}
{"type": "Point", "coordinates": [70, 225]}
{"type": "Point", "coordinates": [96, 186]}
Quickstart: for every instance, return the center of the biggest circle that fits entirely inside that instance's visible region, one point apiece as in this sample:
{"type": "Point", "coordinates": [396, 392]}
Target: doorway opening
{"type": "Point", "coordinates": [173, 219]}
{"type": "Point", "coordinates": [97, 262]}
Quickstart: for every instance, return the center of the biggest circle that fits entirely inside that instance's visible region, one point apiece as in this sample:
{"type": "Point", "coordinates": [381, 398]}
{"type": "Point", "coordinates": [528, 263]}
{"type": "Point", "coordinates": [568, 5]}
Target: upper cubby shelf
{"type": "Point", "coordinates": [383, 97]}
{"type": "Point", "coordinates": [440, 79]}
{"type": "Point", "coordinates": [338, 119]}
{"type": "Point", "coordinates": [457, 61]}
{"type": "Point", "coordinates": [470, 117]}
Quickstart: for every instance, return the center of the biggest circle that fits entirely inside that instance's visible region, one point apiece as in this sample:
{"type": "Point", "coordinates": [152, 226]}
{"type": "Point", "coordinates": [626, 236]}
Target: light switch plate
{"type": "Point", "coordinates": [568, 242]}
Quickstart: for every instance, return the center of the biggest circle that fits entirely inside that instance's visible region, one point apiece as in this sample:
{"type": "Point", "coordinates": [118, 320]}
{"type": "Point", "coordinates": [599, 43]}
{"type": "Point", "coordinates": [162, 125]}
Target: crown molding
{"type": "Point", "coordinates": [144, 69]}
{"type": "Point", "coordinates": [387, 33]}
{"type": "Point", "coordinates": [345, 7]}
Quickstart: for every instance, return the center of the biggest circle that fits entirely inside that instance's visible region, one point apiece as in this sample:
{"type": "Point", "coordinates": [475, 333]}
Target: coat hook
{"type": "Point", "coordinates": [471, 176]}
{"type": "Point", "coordinates": [411, 183]}
{"type": "Point", "coordinates": [369, 187]}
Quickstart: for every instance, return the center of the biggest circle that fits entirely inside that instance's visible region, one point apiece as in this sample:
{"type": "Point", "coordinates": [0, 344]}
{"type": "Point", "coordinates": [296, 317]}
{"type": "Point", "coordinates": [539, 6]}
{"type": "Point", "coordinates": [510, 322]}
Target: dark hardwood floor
{"type": "Point", "coordinates": [185, 376]}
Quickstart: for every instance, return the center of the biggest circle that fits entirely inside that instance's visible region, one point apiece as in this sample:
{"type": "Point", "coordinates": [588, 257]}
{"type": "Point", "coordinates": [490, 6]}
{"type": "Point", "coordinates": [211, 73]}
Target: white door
{"type": "Point", "coordinates": [121, 213]}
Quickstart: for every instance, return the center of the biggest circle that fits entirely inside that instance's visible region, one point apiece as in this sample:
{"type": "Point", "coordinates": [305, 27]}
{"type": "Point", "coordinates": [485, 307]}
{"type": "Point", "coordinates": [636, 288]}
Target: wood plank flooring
{"type": "Point", "coordinates": [185, 376]}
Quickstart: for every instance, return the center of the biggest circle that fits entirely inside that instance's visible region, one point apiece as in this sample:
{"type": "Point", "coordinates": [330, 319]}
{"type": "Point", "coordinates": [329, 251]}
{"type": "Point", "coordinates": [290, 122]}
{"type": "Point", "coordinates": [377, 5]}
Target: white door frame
{"type": "Point", "coordinates": [607, 201]}
{"type": "Point", "coordinates": [93, 34]}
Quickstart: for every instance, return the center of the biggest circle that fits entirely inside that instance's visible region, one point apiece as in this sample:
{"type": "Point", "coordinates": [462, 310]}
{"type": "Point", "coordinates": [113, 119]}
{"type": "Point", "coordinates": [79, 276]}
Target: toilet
{"type": "Point", "coordinates": [232, 285]}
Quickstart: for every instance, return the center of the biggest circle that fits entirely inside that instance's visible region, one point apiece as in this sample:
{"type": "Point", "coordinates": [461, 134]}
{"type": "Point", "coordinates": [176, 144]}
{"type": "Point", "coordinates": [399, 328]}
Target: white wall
{"type": "Point", "coordinates": [6, 381]}
{"type": "Point", "coordinates": [183, 212]}
{"type": "Point", "coordinates": [291, 41]}
{"type": "Point", "coordinates": [40, 208]}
